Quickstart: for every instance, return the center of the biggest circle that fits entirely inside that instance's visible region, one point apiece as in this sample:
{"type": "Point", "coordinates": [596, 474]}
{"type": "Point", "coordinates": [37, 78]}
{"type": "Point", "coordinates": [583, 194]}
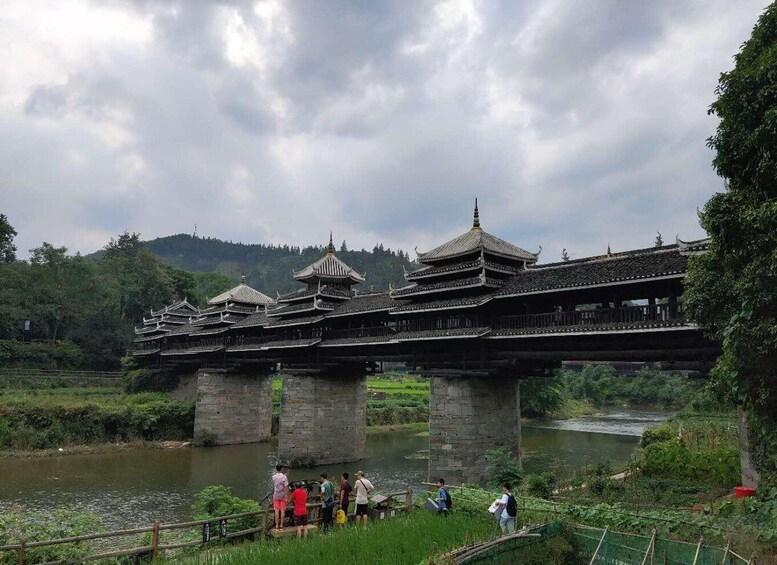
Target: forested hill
{"type": "Point", "coordinates": [269, 267]}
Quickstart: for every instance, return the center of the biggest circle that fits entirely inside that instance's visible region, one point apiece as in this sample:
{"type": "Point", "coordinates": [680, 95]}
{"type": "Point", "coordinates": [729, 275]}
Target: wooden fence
{"type": "Point", "coordinates": [156, 546]}
{"type": "Point", "coordinates": [58, 373]}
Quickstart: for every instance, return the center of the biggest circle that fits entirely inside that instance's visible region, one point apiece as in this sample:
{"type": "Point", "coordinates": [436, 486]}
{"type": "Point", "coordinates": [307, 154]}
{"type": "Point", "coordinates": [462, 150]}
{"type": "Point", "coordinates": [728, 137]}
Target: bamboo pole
{"type": "Point", "coordinates": [725, 553]}
{"type": "Point", "coordinates": [155, 541]}
{"type": "Point", "coordinates": [650, 546]}
{"type": "Point", "coordinates": [698, 550]}
{"type": "Point", "coordinates": [601, 541]}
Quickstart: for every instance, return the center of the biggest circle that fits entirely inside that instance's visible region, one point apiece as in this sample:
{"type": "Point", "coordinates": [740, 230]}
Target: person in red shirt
{"type": "Point", "coordinates": [299, 497]}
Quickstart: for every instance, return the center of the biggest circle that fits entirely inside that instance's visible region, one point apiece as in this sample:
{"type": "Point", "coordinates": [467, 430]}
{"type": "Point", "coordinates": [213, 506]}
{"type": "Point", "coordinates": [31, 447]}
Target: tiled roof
{"type": "Point", "coordinates": [323, 291]}
{"type": "Point", "coordinates": [366, 340]}
{"type": "Point", "coordinates": [473, 241]}
{"type": "Point", "coordinates": [375, 302]}
{"type": "Point", "coordinates": [144, 352]}
{"type": "Point", "coordinates": [466, 302]}
{"type": "Point", "coordinates": [256, 319]}
{"type": "Point", "coordinates": [329, 266]}
{"type": "Point", "coordinates": [280, 322]}
{"type": "Point", "coordinates": [149, 338]}
{"type": "Point", "coordinates": [180, 308]}
{"type": "Point", "coordinates": [242, 293]}
{"type": "Point", "coordinates": [596, 328]}
{"type": "Point", "coordinates": [211, 331]}
{"type": "Point", "coordinates": [288, 343]}
{"type": "Point", "coordinates": [443, 286]}
{"type": "Point", "coordinates": [624, 267]}
{"type": "Point", "coordinates": [441, 334]}
{"type": "Point", "coordinates": [192, 350]}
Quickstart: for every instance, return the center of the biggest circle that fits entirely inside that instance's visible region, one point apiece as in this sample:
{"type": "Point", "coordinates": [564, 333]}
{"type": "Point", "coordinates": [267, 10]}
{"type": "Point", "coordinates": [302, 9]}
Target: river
{"type": "Point", "coordinates": [134, 488]}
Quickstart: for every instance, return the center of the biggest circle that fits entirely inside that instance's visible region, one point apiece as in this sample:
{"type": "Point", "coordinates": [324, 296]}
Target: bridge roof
{"type": "Point", "coordinates": [329, 267]}
{"type": "Point", "coordinates": [473, 241]}
{"type": "Point", "coordinates": [242, 293]}
{"type": "Point", "coordinates": [640, 265]}
{"type": "Point", "coordinates": [365, 303]}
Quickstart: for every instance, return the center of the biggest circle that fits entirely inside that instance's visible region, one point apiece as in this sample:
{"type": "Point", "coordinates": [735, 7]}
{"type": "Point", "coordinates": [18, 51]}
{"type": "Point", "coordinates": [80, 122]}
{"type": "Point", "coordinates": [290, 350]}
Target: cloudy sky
{"type": "Point", "coordinates": [576, 123]}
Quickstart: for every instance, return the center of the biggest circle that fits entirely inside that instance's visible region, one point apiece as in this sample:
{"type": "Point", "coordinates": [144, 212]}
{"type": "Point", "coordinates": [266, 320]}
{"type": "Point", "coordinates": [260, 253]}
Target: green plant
{"type": "Point", "coordinates": [503, 467]}
{"type": "Point", "coordinates": [540, 486]}
{"type": "Point", "coordinates": [218, 500]}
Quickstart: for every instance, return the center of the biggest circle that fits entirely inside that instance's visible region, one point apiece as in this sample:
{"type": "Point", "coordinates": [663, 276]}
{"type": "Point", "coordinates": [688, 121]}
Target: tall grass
{"type": "Point", "coordinates": [406, 539]}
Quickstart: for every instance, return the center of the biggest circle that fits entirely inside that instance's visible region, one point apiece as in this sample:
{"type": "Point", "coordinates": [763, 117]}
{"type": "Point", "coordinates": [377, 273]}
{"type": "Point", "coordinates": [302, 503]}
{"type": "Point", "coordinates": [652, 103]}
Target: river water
{"type": "Point", "coordinates": [134, 488]}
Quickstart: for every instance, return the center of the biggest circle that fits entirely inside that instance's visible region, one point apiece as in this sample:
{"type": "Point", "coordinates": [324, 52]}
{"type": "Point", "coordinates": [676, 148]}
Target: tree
{"type": "Point", "coordinates": [343, 247]}
{"type": "Point", "coordinates": [7, 248]}
{"type": "Point", "coordinates": [659, 240]}
{"type": "Point", "coordinates": [732, 289]}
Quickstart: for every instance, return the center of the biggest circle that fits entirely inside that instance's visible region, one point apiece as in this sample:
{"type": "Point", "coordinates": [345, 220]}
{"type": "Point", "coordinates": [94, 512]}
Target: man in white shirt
{"type": "Point", "coordinates": [363, 488]}
{"type": "Point", "coordinates": [506, 520]}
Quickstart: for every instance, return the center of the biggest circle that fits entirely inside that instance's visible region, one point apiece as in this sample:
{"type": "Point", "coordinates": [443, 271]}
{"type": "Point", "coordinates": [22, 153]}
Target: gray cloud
{"type": "Point", "coordinates": [576, 124]}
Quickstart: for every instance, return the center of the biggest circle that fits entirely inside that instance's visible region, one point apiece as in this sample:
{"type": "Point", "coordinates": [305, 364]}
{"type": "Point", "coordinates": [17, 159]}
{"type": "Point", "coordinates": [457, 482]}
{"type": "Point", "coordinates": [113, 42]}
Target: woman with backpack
{"type": "Point", "coordinates": [509, 509]}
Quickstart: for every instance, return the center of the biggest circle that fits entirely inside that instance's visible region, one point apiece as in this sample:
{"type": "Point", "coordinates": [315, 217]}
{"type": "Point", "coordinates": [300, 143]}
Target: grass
{"type": "Point", "coordinates": [407, 539]}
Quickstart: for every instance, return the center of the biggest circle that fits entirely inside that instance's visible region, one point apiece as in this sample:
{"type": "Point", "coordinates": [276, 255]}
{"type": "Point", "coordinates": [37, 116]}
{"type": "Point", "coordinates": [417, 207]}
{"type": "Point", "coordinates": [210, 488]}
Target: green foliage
{"type": "Point", "coordinates": [540, 486]}
{"type": "Point", "coordinates": [503, 467]}
{"type": "Point", "coordinates": [267, 267]}
{"type": "Point", "coordinates": [218, 500]}
{"type": "Point", "coordinates": [30, 525]}
{"type": "Point", "coordinates": [38, 419]}
{"type": "Point", "coordinates": [704, 451]}
{"type": "Point", "coordinates": [42, 355]}
{"type": "Point", "coordinates": [731, 290]}
{"type": "Point", "coordinates": [138, 379]}
{"type": "Point", "coordinates": [540, 396]}
{"type": "Point", "coordinates": [7, 248]}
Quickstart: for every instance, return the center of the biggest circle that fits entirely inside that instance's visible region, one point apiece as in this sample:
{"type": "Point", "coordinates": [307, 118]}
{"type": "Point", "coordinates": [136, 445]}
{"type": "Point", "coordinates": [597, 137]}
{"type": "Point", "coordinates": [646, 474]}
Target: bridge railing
{"type": "Point", "coordinates": [196, 533]}
{"type": "Point", "coordinates": [378, 331]}
{"type": "Point", "coordinates": [602, 316]}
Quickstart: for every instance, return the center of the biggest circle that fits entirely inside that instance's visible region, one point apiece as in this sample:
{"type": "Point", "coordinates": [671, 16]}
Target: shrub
{"type": "Point", "coordinates": [218, 500]}
{"type": "Point", "coordinates": [16, 523]}
{"type": "Point", "coordinates": [503, 467]}
{"type": "Point", "coordinates": [660, 433]}
{"type": "Point", "coordinates": [540, 486]}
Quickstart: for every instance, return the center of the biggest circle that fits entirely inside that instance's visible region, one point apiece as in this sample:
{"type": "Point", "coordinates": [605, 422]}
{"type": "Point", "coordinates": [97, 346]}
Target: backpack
{"type": "Point", "coordinates": [512, 506]}
{"type": "Point", "coordinates": [448, 501]}
{"type": "Point", "coordinates": [340, 517]}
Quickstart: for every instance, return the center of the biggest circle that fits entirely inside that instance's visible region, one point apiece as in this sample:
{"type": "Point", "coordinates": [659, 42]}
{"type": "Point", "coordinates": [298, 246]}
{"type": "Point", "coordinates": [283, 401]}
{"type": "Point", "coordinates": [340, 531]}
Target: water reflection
{"type": "Point", "coordinates": [136, 487]}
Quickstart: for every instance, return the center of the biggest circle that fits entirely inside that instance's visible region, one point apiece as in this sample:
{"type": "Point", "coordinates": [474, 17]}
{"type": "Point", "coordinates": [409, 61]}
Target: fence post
{"type": "Point", "coordinates": [409, 499]}
{"type": "Point", "coordinates": [698, 551]}
{"type": "Point", "coordinates": [264, 521]}
{"type": "Point", "coordinates": [154, 541]}
{"type": "Point", "coordinates": [21, 552]}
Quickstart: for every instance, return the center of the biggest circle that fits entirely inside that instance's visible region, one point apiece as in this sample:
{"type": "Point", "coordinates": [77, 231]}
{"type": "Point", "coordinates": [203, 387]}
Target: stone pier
{"type": "Point", "coordinates": [469, 416]}
{"type": "Point", "coordinates": [323, 419]}
{"type": "Point", "coordinates": [232, 407]}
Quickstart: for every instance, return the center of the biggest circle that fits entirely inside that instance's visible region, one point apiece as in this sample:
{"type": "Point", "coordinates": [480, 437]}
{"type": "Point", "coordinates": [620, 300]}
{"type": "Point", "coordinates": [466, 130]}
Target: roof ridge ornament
{"type": "Point", "coordinates": [330, 250]}
{"type": "Point", "coordinates": [243, 278]}
{"type": "Point", "coordinates": [476, 217]}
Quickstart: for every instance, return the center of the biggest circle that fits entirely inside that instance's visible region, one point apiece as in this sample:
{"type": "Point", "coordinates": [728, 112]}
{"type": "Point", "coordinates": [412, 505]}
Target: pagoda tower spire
{"type": "Point", "coordinates": [476, 217]}
{"type": "Point", "coordinates": [331, 249]}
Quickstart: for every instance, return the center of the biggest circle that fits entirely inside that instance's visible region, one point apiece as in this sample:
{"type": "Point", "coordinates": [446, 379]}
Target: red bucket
{"type": "Point", "coordinates": [744, 492]}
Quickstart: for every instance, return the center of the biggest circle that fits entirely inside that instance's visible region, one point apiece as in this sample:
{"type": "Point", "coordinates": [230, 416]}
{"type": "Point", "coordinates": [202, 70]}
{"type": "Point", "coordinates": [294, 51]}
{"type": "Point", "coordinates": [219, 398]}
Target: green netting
{"type": "Point", "coordinates": [577, 544]}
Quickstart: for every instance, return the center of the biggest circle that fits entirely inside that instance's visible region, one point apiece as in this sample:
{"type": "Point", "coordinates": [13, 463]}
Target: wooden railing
{"type": "Point", "coordinates": [58, 373]}
{"type": "Point", "coordinates": [658, 313]}
{"type": "Point", "coordinates": [377, 331]}
{"type": "Point", "coordinates": [205, 534]}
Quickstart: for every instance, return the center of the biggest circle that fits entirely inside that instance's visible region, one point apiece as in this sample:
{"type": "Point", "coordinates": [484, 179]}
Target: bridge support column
{"type": "Point", "coordinates": [232, 407]}
{"type": "Point", "coordinates": [469, 416]}
{"type": "Point", "coordinates": [323, 419]}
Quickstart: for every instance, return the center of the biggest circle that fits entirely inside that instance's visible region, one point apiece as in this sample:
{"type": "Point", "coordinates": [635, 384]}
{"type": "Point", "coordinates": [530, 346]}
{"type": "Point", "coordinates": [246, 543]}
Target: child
{"type": "Point", "coordinates": [300, 500]}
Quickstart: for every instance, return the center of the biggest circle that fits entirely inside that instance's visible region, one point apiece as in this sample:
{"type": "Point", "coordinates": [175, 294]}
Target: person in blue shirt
{"type": "Point", "coordinates": [442, 497]}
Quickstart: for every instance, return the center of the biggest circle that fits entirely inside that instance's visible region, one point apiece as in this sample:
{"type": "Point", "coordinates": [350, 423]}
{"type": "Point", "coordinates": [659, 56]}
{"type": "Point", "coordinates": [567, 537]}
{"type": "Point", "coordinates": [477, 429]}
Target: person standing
{"type": "Point", "coordinates": [363, 488]}
{"type": "Point", "coordinates": [280, 493]}
{"type": "Point", "coordinates": [345, 493]}
{"type": "Point", "coordinates": [509, 509]}
{"type": "Point", "coordinates": [442, 497]}
{"type": "Point", "coordinates": [300, 500]}
{"type": "Point", "coordinates": [327, 501]}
